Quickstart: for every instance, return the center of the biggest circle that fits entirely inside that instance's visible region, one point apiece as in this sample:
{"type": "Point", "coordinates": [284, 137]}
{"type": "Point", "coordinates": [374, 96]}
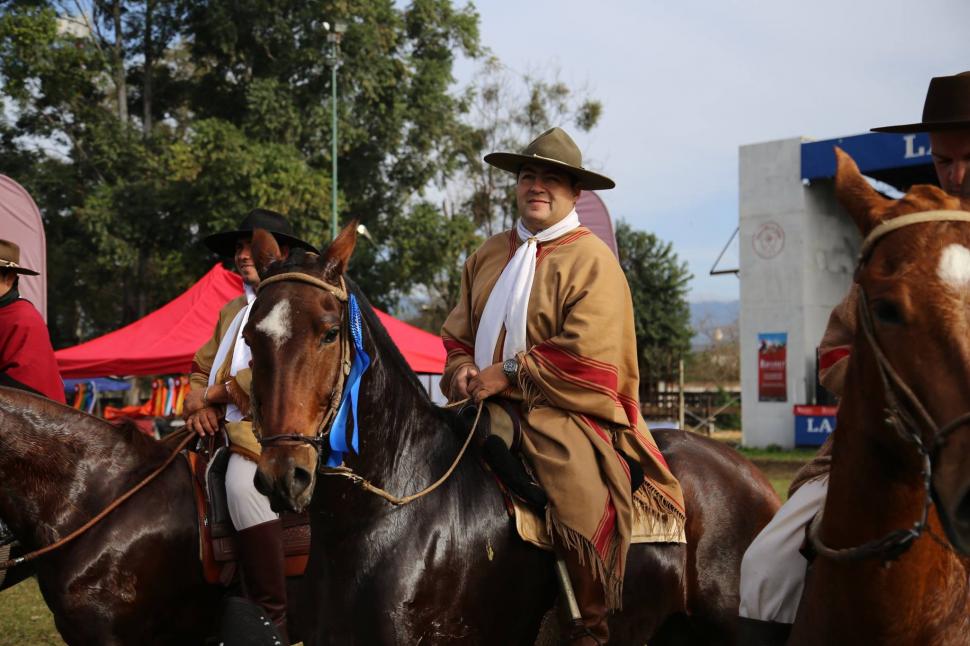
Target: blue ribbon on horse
{"type": "Point", "coordinates": [348, 400]}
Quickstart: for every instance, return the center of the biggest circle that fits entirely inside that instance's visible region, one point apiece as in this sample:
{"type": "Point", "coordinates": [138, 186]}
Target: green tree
{"type": "Point", "coordinates": [143, 126]}
{"type": "Point", "coordinates": [658, 285]}
{"type": "Point", "coordinates": [264, 65]}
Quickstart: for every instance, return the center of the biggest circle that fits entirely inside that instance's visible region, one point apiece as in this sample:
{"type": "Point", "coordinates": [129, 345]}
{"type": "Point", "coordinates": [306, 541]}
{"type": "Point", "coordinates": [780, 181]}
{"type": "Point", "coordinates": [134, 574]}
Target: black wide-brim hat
{"type": "Point", "coordinates": [947, 106]}
{"type": "Point", "coordinates": [224, 242]}
{"type": "Point", "coordinates": [553, 148]}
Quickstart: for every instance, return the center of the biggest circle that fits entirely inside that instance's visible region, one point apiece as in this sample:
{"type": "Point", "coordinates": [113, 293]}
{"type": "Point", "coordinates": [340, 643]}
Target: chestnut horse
{"type": "Point", "coordinates": [133, 578]}
{"type": "Point", "coordinates": [449, 568]}
{"type": "Point", "coordinates": [895, 530]}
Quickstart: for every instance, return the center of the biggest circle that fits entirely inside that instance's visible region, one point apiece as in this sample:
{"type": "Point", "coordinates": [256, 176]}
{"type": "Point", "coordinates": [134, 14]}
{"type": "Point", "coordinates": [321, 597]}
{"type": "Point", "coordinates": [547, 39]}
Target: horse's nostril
{"type": "Point", "coordinates": [301, 478]}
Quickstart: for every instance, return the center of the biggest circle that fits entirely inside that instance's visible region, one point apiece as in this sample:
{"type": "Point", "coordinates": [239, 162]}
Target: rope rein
{"type": "Point", "coordinates": [359, 480]}
{"type": "Point", "coordinates": [7, 564]}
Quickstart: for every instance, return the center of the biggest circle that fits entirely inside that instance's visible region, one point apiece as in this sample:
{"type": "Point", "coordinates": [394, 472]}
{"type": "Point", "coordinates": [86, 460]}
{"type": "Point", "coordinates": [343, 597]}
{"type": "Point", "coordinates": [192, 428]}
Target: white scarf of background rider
{"type": "Point", "coordinates": [508, 303]}
{"type": "Point", "coordinates": [241, 354]}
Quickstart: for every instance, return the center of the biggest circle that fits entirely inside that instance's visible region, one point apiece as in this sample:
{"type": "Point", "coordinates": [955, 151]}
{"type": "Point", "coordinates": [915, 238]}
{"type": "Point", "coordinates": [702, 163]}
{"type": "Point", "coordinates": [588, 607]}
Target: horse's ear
{"type": "Point", "coordinates": [265, 250]}
{"type": "Point", "coordinates": [864, 203]}
{"type": "Point", "coordinates": [337, 255]}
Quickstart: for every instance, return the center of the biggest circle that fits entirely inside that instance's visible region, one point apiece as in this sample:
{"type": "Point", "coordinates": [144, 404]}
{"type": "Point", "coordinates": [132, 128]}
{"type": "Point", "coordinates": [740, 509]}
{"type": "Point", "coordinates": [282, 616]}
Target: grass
{"type": "Point", "coordinates": [24, 618]}
{"type": "Point", "coordinates": [26, 621]}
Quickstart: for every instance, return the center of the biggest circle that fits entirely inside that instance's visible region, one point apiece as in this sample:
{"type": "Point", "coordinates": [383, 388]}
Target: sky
{"type": "Point", "coordinates": [685, 83]}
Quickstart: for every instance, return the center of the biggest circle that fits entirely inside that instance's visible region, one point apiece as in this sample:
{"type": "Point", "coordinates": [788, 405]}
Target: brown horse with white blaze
{"type": "Point", "coordinates": [894, 535]}
{"type": "Point", "coordinates": [449, 568]}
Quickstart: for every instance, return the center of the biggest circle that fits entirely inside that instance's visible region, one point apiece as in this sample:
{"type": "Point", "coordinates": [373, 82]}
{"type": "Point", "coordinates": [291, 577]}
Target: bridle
{"type": "Point", "coordinates": [317, 441]}
{"type": "Point", "coordinates": [905, 413]}
{"type": "Point", "coordinates": [323, 431]}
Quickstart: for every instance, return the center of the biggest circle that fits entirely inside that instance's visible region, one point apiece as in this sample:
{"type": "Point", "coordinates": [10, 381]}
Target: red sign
{"type": "Point", "coordinates": [772, 367]}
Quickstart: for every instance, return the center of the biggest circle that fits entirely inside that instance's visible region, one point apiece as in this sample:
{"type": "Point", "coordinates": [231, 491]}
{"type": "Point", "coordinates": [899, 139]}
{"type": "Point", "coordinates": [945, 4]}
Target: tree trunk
{"type": "Point", "coordinates": [121, 89]}
{"type": "Point", "coordinates": [148, 72]}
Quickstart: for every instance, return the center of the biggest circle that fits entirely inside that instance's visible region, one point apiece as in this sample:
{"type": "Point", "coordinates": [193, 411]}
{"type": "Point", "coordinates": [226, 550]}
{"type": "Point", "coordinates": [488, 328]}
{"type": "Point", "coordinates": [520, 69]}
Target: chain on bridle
{"type": "Point", "coordinates": [905, 412]}
{"type": "Point", "coordinates": [323, 430]}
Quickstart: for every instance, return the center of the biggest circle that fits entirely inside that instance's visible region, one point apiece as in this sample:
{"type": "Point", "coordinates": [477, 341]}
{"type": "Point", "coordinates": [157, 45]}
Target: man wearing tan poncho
{"type": "Point", "coordinates": [545, 318]}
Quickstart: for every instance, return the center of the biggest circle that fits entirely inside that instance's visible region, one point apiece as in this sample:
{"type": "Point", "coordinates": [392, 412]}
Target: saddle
{"type": "Point", "coordinates": [499, 436]}
{"type": "Point", "coordinates": [218, 549]}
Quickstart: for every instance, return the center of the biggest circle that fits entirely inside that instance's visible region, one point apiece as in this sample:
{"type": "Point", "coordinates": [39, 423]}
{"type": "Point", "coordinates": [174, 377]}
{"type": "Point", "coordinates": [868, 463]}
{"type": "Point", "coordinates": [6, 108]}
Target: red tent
{"type": "Point", "coordinates": [164, 341]}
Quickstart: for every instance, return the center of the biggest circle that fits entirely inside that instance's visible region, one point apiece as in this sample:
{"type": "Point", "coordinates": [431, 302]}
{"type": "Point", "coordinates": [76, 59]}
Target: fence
{"type": "Point", "coordinates": [702, 410]}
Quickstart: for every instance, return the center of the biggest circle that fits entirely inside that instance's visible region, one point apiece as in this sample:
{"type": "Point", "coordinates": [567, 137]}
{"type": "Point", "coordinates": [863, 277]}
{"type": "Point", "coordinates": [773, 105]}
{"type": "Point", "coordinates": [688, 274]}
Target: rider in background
{"type": "Point", "coordinates": [26, 355]}
{"type": "Point", "coordinates": [565, 350]}
{"type": "Point", "coordinates": [220, 386]}
{"type": "Point", "coordinates": [773, 569]}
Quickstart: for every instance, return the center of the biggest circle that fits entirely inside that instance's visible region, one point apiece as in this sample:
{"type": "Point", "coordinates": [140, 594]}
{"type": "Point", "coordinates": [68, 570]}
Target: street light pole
{"type": "Point", "coordinates": [336, 33]}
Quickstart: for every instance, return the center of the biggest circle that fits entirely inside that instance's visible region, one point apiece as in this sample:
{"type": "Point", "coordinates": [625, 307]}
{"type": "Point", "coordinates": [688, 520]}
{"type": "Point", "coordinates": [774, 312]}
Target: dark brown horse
{"type": "Point", "coordinates": [884, 576]}
{"type": "Point", "coordinates": [448, 567]}
{"type": "Point", "coordinates": [135, 577]}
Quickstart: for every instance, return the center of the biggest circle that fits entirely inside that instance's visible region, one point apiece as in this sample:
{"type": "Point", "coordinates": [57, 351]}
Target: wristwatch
{"type": "Point", "coordinates": [511, 369]}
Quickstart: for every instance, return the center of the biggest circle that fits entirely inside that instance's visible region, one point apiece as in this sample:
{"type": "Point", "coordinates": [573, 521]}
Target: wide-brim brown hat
{"type": "Point", "coordinates": [10, 259]}
{"type": "Point", "coordinates": [554, 148]}
{"type": "Point", "coordinates": [947, 106]}
{"type": "Point", "coordinates": [224, 242]}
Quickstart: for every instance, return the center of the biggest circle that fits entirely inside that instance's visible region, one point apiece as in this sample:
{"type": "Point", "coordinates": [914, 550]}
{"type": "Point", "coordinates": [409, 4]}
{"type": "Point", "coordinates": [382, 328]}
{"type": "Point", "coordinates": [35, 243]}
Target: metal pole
{"type": "Point", "coordinates": [680, 399]}
{"type": "Point", "coordinates": [333, 186]}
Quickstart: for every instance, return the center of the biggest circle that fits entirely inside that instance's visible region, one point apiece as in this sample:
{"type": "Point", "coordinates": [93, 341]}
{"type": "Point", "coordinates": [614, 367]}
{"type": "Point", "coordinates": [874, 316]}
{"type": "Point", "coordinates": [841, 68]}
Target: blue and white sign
{"type": "Point", "coordinates": [813, 424]}
{"type": "Point", "coordinates": [872, 151]}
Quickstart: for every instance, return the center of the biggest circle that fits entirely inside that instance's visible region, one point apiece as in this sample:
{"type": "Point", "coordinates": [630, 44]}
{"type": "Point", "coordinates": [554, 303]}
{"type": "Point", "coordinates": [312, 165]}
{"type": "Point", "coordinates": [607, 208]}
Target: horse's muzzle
{"type": "Point", "coordinates": [283, 479]}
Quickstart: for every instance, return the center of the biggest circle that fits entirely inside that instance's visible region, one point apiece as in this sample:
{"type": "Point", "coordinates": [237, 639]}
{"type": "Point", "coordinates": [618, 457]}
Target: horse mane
{"type": "Point", "coordinates": [389, 350]}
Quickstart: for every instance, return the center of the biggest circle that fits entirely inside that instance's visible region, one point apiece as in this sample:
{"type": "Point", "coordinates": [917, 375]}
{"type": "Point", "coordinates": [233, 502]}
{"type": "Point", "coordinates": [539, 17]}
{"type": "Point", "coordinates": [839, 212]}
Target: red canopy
{"type": "Point", "coordinates": [164, 341]}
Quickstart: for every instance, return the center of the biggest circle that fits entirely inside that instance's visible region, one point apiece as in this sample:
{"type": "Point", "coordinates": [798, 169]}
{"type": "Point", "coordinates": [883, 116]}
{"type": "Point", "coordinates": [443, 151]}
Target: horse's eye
{"type": "Point", "coordinates": [888, 312]}
{"type": "Point", "coordinates": [331, 335]}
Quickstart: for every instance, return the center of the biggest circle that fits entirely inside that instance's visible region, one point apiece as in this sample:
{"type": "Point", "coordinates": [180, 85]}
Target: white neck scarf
{"type": "Point", "coordinates": [508, 304]}
{"type": "Point", "coordinates": [241, 354]}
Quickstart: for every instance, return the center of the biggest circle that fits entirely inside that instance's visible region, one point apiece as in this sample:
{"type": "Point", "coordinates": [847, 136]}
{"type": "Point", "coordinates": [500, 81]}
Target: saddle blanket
{"type": "Point", "coordinates": [647, 527]}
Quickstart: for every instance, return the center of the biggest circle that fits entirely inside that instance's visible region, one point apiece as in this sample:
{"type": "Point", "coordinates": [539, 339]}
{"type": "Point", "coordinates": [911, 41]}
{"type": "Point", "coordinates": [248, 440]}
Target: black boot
{"type": "Point", "coordinates": [264, 570]}
{"type": "Point", "coordinates": [510, 471]}
{"type": "Point", "coordinates": [754, 632]}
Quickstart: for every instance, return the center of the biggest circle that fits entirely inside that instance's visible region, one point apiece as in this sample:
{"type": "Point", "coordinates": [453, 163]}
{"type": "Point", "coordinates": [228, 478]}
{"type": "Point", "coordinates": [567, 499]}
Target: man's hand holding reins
{"type": "Point", "coordinates": [459, 383]}
{"type": "Point", "coordinates": [204, 421]}
{"type": "Point", "coordinates": [487, 382]}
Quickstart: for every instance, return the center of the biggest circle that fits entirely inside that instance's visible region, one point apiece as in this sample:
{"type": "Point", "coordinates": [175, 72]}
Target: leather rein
{"type": "Point", "coordinates": [318, 440]}
{"type": "Point", "coordinates": [901, 405]}
{"type": "Point", "coordinates": [30, 556]}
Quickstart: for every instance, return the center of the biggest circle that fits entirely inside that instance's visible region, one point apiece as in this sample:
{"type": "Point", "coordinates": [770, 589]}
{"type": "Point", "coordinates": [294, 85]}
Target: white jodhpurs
{"type": "Point", "coordinates": [247, 507]}
{"type": "Point", "coordinates": [773, 569]}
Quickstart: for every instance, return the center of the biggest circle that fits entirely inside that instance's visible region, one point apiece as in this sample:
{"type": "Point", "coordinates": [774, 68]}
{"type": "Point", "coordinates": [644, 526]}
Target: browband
{"type": "Point", "coordinates": [339, 292]}
{"type": "Point", "coordinates": [905, 221]}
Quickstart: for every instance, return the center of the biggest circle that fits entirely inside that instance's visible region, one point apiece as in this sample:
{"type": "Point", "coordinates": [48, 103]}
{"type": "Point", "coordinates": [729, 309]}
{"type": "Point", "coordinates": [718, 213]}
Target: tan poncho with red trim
{"type": "Point", "coordinates": [579, 387]}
